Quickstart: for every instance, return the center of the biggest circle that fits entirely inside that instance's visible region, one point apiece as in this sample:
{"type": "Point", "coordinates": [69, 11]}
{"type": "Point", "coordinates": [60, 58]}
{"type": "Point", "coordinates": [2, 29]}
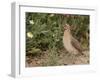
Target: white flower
{"type": "Point", "coordinates": [31, 22]}
{"type": "Point", "coordinates": [57, 40]}
{"type": "Point", "coordinates": [53, 35]}
{"type": "Point", "coordinates": [29, 34]}
{"type": "Point", "coordinates": [51, 15]}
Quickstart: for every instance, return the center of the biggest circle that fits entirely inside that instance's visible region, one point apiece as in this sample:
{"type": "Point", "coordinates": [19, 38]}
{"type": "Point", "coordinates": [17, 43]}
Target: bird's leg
{"type": "Point", "coordinates": [72, 57]}
{"type": "Point", "coordinates": [80, 54]}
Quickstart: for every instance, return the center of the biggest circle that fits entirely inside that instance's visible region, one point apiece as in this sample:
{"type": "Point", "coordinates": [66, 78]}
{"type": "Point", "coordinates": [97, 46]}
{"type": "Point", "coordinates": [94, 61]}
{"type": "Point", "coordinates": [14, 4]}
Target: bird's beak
{"type": "Point", "coordinates": [65, 27]}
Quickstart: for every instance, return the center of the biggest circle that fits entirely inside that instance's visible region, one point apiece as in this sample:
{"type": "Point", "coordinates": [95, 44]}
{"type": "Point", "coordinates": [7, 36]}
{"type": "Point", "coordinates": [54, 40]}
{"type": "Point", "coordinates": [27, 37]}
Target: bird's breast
{"type": "Point", "coordinates": [67, 43]}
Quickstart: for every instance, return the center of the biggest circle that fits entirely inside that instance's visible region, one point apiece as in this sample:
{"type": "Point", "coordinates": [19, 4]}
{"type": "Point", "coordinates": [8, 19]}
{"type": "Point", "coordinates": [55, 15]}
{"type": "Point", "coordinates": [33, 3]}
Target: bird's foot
{"type": "Point", "coordinates": [80, 54]}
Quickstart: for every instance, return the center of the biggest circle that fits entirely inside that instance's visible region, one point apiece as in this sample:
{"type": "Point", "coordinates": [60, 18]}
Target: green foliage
{"type": "Point", "coordinates": [44, 31]}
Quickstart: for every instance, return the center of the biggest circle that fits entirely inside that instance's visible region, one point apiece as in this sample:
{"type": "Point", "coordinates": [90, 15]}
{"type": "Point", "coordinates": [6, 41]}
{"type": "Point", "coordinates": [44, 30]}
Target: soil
{"type": "Point", "coordinates": [63, 58]}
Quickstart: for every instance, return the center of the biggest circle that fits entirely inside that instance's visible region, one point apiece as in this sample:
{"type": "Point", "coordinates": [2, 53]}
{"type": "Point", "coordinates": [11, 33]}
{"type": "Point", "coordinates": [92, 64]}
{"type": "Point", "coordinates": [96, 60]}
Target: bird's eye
{"type": "Point", "coordinates": [65, 28]}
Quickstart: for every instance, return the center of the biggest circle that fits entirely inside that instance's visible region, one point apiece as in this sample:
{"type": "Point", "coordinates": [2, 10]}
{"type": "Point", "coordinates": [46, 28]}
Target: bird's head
{"type": "Point", "coordinates": [67, 27]}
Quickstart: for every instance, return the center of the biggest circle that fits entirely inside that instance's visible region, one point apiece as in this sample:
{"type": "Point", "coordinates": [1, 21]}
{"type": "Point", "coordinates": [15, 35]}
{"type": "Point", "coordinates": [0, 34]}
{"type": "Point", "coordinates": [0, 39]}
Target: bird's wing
{"type": "Point", "coordinates": [76, 44]}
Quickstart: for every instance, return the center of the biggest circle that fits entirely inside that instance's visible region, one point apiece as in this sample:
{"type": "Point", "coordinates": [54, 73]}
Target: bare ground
{"type": "Point", "coordinates": [63, 58]}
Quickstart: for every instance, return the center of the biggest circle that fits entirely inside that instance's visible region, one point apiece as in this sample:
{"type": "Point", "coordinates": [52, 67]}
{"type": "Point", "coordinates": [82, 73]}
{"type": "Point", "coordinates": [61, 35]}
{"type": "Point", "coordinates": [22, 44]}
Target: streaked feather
{"type": "Point", "coordinates": [76, 44]}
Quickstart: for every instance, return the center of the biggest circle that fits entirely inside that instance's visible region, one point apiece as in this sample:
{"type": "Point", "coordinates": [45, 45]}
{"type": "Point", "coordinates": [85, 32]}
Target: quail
{"type": "Point", "coordinates": [71, 44]}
